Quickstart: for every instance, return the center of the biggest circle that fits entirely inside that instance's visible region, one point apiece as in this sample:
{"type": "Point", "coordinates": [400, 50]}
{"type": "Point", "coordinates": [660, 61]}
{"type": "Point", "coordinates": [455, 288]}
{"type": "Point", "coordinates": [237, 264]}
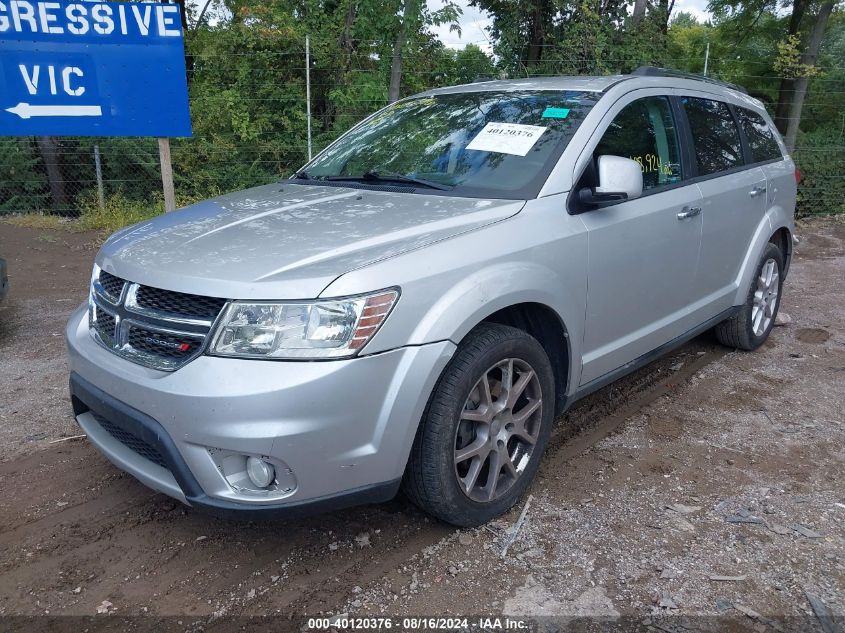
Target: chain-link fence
{"type": "Point", "coordinates": [249, 117]}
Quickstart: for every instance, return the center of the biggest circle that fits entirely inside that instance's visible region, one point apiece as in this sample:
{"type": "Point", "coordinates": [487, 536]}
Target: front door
{"type": "Point", "coordinates": [643, 253]}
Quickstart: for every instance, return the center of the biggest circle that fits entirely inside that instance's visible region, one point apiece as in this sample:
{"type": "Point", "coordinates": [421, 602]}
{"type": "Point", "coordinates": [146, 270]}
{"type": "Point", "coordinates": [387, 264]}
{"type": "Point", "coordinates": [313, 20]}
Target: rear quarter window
{"type": "Point", "coordinates": [715, 135]}
{"type": "Point", "coordinates": [760, 136]}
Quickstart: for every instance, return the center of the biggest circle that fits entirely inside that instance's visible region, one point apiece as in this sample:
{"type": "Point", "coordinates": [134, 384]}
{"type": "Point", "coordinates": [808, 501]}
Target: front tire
{"type": "Point", "coordinates": [749, 328]}
{"type": "Point", "coordinates": [485, 428]}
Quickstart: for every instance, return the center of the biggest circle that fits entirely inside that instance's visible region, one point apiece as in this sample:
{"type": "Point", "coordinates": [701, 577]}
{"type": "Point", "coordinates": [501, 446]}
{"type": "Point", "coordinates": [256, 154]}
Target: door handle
{"type": "Point", "coordinates": [757, 191]}
{"type": "Point", "coordinates": [689, 212]}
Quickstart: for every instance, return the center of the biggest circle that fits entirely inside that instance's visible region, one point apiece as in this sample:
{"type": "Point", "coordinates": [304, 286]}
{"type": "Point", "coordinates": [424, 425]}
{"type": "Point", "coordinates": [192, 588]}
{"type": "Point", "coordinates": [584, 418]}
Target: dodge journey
{"type": "Point", "coordinates": [414, 307]}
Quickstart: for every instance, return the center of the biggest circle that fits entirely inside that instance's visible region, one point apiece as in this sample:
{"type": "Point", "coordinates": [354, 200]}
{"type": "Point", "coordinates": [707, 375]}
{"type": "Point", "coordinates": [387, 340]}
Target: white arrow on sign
{"type": "Point", "coordinates": [26, 110]}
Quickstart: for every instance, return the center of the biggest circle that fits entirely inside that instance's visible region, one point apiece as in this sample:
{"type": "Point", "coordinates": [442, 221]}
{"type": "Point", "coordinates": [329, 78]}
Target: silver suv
{"type": "Point", "coordinates": [417, 304]}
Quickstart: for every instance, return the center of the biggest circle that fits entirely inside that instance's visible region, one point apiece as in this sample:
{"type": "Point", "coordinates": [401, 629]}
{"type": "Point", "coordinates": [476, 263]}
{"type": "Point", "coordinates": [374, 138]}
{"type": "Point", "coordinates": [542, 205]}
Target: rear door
{"type": "Point", "coordinates": [763, 149]}
{"type": "Point", "coordinates": [733, 196]}
{"type": "Point", "coordinates": [642, 253]}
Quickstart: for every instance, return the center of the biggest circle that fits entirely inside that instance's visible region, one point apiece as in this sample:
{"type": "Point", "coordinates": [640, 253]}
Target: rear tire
{"type": "Point", "coordinates": [749, 328]}
{"type": "Point", "coordinates": [491, 411]}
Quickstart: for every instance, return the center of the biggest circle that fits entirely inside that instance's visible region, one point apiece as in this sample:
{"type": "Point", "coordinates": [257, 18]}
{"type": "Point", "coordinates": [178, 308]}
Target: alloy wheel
{"type": "Point", "coordinates": [498, 430]}
{"type": "Point", "coordinates": [765, 297]}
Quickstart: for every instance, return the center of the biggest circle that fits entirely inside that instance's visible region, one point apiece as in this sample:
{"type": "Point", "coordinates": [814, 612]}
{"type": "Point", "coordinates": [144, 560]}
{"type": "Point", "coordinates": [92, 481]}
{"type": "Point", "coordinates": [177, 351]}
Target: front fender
{"type": "Point", "coordinates": [538, 256]}
{"type": "Point", "coordinates": [484, 292]}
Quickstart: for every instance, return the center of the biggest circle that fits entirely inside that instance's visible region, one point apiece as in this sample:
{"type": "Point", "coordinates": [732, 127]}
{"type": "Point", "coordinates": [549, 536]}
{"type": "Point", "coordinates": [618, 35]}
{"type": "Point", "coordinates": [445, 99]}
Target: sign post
{"type": "Point", "coordinates": [94, 69]}
{"type": "Point", "coordinates": [98, 170]}
{"type": "Point", "coordinates": [166, 174]}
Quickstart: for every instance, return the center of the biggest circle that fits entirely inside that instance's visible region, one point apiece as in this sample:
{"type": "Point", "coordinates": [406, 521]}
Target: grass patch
{"type": "Point", "coordinates": [42, 222]}
{"type": "Point", "coordinates": [117, 212]}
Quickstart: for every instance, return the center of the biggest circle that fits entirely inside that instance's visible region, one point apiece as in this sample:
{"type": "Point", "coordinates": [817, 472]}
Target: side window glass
{"type": "Point", "coordinates": [715, 136]}
{"type": "Point", "coordinates": [645, 132]}
{"type": "Point", "coordinates": [761, 138]}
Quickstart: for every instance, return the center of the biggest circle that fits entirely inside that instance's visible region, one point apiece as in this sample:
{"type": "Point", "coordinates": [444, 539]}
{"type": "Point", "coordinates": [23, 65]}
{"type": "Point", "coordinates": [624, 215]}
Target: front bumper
{"type": "Point", "coordinates": [343, 428]}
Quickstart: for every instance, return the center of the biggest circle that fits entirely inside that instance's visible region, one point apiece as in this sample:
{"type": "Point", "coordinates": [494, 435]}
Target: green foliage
{"type": "Point", "coordinates": [247, 85]}
{"type": "Point", "coordinates": [788, 60]}
{"type": "Point", "coordinates": [116, 212]}
{"type": "Point", "coordinates": [821, 158]}
{"type": "Point", "coordinates": [750, 45]}
{"type": "Point", "coordinates": [572, 37]}
{"type": "Point", "coordinates": [22, 181]}
{"type": "Point", "coordinates": [823, 110]}
{"type": "Point", "coordinates": [468, 65]}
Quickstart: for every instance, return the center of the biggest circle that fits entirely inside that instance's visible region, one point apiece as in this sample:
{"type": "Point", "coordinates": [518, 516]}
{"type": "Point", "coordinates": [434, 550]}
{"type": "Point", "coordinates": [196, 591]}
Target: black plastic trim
{"type": "Point", "coordinates": [645, 359]}
{"type": "Point", "coordinates": [690, 162]}
{"type": "Point", "coordinates": [87, 397]}
{"type": "Point", "coordinates": [656, 71]}
{"type": "Point", "coordinates": [365, 495]}
{"type": "Point", "coordinates": [743, 141]}
{"type": "Point", "coordinates": [4, 279]}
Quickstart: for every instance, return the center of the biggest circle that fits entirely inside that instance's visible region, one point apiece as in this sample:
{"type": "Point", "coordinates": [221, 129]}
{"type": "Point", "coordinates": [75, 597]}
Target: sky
{"type": "Point", "coordinates": [473, 22]}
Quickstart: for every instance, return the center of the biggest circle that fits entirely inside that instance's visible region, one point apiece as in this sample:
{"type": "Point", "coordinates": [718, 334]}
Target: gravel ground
{"type": "Point", "coordinates": [48, 275]}
{"type": "Point", "coordinates": [706, 491]}
{"type": "Point", "coordinates": [724, 496]}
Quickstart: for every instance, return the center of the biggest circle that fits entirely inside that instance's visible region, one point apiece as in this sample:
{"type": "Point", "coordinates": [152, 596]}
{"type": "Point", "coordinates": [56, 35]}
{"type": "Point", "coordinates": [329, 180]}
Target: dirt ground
{"type": "Point", "coordinates": [704, 492]}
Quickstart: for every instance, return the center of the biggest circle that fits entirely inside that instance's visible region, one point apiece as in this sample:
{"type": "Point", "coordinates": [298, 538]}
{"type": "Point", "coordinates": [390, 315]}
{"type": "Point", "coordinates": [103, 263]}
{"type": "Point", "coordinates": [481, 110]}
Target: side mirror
{"type": "Point", "coordinates": [619, 179]}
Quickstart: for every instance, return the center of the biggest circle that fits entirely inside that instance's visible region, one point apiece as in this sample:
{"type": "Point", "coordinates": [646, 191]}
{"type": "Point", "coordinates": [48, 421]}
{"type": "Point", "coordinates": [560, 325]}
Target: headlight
{"type": "Point", "coordinates": [316, 329]}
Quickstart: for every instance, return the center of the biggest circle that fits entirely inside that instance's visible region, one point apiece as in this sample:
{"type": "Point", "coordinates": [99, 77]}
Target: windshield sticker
{"type": "Point", "coordinates": [555, 113]}
{"type": "Point", "coordinates": [507, 138]}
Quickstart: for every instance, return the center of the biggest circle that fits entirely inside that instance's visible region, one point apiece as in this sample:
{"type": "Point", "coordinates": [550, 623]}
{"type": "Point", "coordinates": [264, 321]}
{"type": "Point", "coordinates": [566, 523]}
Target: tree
{"type": "Point", "coordinates": [520, 29]}
{"type": "Point", "coordinates": [22, 185]}
{"type": "Point", "coordinates": [51, 157]}
{"type": "Point", "coordinates": [416, 17]}
{"type": "Point", "coordinates": [806, 68]}
{"type": "Point", "coordinates": [408, 12]}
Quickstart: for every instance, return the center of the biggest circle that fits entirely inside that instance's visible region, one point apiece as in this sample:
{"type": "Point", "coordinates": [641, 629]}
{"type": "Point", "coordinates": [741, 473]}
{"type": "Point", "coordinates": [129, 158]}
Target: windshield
{"type": "Point", "coordinates": [476, 144]}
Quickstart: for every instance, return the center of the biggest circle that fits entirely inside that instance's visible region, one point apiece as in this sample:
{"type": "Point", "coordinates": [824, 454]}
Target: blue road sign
{"type": "Point", "coordinates": [92, 69]}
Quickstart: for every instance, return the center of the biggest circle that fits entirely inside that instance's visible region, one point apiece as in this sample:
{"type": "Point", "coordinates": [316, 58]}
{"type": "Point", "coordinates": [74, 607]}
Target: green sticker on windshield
{"type": "Point", "coordinates": [555, 113]}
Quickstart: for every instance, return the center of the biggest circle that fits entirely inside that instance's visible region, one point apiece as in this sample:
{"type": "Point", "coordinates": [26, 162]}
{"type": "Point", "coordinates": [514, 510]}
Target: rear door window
{"type": "Point", "coordinates": [760, 137]}
{"type": "Point", "coordinates": [715, 135]}
{"type": "Point", "coordinates": [645, 131]}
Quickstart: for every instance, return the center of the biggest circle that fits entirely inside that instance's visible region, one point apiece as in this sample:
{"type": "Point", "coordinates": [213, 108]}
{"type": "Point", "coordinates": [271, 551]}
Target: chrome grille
{"type": "Point", "coordinates": [104, 323]}
{"type": "Point", "coordinates": [157, 328]}
{"type": "Point", "coordinates": [112, 286]}
{"type": "Point", "coordinates": [179, 304]}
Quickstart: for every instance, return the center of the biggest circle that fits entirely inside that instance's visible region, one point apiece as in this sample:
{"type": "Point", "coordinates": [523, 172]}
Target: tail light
{"type": "Point", "coordinates": [797, 176]}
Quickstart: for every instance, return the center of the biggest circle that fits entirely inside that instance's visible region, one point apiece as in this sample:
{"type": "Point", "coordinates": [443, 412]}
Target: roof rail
{"type": "Point", "coordinates": [655, 71]}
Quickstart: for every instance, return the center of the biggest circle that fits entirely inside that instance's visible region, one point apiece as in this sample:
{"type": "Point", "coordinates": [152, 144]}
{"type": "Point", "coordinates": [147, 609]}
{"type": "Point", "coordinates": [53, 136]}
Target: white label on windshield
{"type": "Point", "coordinates": [507, 138]}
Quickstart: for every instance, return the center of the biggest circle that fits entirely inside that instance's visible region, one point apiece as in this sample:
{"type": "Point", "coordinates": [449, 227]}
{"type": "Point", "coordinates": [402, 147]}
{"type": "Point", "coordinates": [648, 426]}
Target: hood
{"type": "Point", "coordinates": [287, 241]}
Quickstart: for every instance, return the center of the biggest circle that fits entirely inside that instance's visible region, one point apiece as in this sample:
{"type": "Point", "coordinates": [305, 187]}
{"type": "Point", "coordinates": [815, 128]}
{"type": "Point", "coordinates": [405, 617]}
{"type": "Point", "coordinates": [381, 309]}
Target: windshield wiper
{"type": "Point", "coordinates": [386, 176]}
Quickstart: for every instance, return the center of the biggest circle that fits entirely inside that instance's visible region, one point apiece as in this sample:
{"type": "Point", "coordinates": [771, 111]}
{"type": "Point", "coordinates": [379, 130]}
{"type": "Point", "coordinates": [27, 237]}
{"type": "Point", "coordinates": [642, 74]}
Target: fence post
{"type": "Point", "coordinates": [308, 90]}
{"type": "Point", "coordinates": [166, 174]}
{"type": "Point", "coordinates": [98, 168]}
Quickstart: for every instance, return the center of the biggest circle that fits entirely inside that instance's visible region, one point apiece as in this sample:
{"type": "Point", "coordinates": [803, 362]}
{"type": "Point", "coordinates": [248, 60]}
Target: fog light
{"type": "Point", "coordinates": [261, 474]}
